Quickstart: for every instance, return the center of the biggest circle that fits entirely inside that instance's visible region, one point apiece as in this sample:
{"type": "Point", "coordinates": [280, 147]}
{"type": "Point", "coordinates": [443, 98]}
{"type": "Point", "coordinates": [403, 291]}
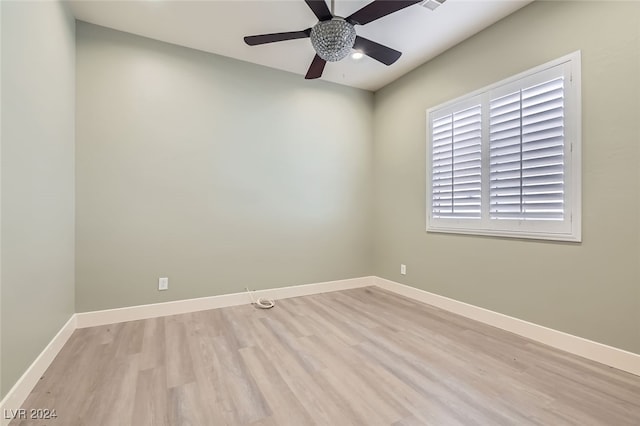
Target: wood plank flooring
{"type": "Point", "coordinates": [355, 357]}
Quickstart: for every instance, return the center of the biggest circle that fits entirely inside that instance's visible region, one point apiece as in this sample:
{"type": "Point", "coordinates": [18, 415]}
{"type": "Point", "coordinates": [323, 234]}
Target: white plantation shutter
{"type": "Point", "coordinates": [456, 170]}
{"type": "Point", "coordinates": [505, 160]}
{"type": "Point", "coordinates": [526, 140]}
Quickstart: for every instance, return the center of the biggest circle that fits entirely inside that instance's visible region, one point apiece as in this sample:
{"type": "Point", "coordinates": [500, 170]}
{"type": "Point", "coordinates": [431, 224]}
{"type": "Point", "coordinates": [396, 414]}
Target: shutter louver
{"type": "Point", "coordinates": [456, 165]}
{"type": "Point", "coordinates": [526, 153]}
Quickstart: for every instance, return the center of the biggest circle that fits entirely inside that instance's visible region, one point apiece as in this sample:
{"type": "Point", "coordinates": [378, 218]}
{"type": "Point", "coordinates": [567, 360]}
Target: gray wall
{"type": "Point", "coordinates": [215, 173]}
{"type": "Point", "coordinates": [37, 244]}
{"type": "Point", "coordinates": [589, 289]}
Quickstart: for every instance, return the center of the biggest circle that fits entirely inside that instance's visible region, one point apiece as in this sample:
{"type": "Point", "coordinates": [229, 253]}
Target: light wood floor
{"type": "Point", "coordinates": [356, 357]}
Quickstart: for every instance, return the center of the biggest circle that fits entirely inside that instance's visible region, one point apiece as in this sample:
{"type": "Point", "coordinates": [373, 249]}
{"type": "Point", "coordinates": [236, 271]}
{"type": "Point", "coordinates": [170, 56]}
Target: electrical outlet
{"type": "Point", "coordinates": [163, 284]}
{"type": "Point", "coordinates": [403, 269]}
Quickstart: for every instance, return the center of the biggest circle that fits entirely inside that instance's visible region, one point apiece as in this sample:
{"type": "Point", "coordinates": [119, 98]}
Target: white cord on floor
{"type": "Point", "coordinates": [261, 302]}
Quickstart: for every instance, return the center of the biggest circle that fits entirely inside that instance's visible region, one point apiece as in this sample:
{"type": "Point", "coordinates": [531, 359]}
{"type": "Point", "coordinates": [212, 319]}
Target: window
{"type": "Point", "coordinates": [505, 160]}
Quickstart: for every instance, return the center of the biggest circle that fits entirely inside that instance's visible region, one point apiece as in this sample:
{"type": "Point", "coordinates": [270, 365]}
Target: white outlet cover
{"type": "Point", "coordinates": [163, 284]}
{"type": "Point", "coordinates": [403, 269]}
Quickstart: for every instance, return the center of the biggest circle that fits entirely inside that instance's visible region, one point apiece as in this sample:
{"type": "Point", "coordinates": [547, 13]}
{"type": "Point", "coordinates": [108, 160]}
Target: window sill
{"type": "Point", "coordinates": [575, 237]}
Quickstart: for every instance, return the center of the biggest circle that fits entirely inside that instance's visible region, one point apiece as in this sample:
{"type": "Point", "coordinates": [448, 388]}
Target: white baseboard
{"type": "Point", "coordinates": [132, 313]}
{"type": "Point", "coordinates": [23, 387]}
{"type": "Point", "coordinates": [608, 355]}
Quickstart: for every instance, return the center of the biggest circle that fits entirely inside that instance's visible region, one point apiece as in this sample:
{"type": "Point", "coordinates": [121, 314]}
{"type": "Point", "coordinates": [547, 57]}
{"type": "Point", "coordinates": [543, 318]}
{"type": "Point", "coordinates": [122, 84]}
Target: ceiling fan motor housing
{"type": "Point", "coordinates": [333, 39]}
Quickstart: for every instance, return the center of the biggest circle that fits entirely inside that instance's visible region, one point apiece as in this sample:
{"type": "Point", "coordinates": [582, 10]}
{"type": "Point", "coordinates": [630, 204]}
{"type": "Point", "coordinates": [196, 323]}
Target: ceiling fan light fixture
{"type": "Point", "coordinates": [333, 39]}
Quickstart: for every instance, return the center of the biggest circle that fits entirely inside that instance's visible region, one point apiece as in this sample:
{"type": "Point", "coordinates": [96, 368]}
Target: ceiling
{"type": "Point", "coordinates": [218, 26]}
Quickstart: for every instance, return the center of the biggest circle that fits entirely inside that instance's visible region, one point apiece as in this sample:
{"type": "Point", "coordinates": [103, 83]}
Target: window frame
{"type": "Point", "coordinates": [570, 229]}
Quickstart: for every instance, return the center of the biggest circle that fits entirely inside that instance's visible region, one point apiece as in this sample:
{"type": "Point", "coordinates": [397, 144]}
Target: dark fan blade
{"type": "Point", "coordinates": [271, 38]}
{"type": "Point", "coordinates": [380, 53]}
{"type": "Point", "coordinates": [320, 9]}
{"type": "Point", "coordinates": [316, 68]}
{"type": "Point", "coordinates": [377, 9]}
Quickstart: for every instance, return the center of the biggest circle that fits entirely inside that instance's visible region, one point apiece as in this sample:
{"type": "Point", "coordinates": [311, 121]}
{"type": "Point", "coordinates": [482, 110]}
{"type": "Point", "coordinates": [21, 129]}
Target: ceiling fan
{"type": "Point", "coordinates": [333, 37]}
